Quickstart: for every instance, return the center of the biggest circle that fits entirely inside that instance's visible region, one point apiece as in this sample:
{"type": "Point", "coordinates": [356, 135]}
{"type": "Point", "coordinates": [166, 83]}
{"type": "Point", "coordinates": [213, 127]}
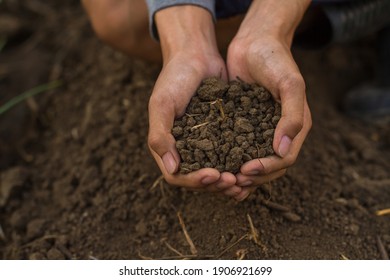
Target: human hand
{"type": "Point", "coordinates": [188, 59]}
{"type": "Point", "coordinates": [260, 53]}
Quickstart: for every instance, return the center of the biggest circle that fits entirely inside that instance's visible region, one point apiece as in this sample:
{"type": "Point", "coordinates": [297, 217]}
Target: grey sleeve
{"type": "Point", "coordinates": [156, 5]}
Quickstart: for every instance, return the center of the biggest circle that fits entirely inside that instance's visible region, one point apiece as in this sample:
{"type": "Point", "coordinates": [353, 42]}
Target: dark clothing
{"type": "Point", "coordinates": [217, 8]}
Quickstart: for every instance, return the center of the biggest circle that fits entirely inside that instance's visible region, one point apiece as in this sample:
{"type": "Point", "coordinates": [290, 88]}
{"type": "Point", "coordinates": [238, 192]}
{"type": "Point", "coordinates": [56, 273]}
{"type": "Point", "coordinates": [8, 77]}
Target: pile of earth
{"type": "Point", "coordinates": [226, 125]}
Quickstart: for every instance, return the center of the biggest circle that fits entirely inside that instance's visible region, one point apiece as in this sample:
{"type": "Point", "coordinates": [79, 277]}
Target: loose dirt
{"type": "Point", "coordinates": [78, 182]}
{"type": "Point", "coordinates": [226, 125]}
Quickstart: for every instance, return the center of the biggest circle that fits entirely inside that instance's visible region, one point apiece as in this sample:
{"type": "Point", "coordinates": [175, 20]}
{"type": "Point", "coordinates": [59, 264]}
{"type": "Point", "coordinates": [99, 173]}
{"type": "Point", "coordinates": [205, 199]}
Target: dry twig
{"type": "Point", "coordinates": [275, 206]}
{"type": "Point", "coordinates": [174, 250]}
{"type": "Point", "coordinates": [143, 257]}
{"type": "Point", "coordinates": [218, 102]}
{"type": "Point", "coordinates": [199, 125]}
{"type": "Point", "coordinates": [241, 254]}
{"type": "Point", "coordinates": [65, 251]}
{"type": "Point", "coordinates": [193, 249]}
{"type": "Point", "coordinates": [254, 235]}
{"type": "Point", "coordinates": [46, 237]}
{"type": "Point", "coordinates": [2, 235]}
{"type": "Point", "coordinates": [383, 212]}
{"type": "Point", "coordinates": [232, 245]}
{"type": "Point", "coordinates": [196, 256]}
{"type": "Point", "coordinates": [381, 248]}
{"type": "Point", "coordinates": [87, 118]}
{"type": "Point", "coordinates": [188, 257]}
{"type": "Point", "coordinates": [292, 217]}
{"type": "Point", "coordinates": [192, 115]}
{"type": "Point", "coordinates": [157, 182]}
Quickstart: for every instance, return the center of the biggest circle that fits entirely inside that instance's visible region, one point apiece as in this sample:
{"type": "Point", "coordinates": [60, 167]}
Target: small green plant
{"type": "Point", "coordinates": [27, 94]}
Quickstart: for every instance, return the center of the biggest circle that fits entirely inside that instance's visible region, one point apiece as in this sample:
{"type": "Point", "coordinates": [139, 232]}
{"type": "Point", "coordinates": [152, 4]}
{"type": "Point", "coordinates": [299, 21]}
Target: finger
{"type": "Point", "coordinates": [244, 194]}
{"type": "Point", "coordinates": [225, 181]}
{"type": "Point", "coordinates": [253, 181]}
{"type": "Point", "coordinates": [195, 181]}
{"type": "Point", "coordinates": [167, 102]}
{"type": "Point", "coordinates": [274, 163]}
{"type": "Point", "coordinates": [292, 96]}
{"type": "Point", "coordinates": [233, 191]}
{"type": "Point", "coordinates": [160, 139]}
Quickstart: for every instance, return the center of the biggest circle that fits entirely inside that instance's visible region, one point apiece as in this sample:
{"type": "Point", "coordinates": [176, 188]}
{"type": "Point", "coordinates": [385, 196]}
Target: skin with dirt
{"type": "Point", "coordinates": [226, 125]}
{"type": "Point", "coordinates": [83, 185]}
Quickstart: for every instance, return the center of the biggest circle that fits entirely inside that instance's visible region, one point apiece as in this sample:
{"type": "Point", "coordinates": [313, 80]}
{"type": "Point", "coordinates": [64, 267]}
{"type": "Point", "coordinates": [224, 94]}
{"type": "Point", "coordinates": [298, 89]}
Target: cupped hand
{"type": "Point", "coordinates": [267, 60]}
{"type": "Point", "coordinates": [178, 81]}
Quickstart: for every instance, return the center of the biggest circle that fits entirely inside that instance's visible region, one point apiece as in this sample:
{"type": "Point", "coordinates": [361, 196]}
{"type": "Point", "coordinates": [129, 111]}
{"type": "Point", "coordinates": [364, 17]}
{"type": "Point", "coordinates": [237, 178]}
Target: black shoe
{"type": "Point", "coordinates": [368, 103]}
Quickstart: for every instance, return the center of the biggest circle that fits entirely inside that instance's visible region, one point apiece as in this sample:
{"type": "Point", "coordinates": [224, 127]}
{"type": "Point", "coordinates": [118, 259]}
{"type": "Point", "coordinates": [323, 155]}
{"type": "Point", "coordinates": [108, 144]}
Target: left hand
{"type": "Point", "coordinates": [260, 53]}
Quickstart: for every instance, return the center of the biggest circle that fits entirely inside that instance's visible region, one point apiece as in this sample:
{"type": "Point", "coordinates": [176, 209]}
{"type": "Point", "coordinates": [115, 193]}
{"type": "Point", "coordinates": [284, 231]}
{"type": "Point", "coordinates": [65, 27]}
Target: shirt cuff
{"type": "Point", "coordinates": [156, 5]}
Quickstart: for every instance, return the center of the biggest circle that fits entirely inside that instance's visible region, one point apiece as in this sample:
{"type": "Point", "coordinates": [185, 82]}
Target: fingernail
{"type": "Point", "coordinates": [207, 180]}
{"type": "Point", "coordinates": [254, 172]}
{"type": "Point", "coordinates": [169, 162]}
{"type": "Point", "coordinates": [284, 146]}
{"type": "Point", "coordinates": [246, 183]}
{"type": "Point", "coordinates": [243, 197]}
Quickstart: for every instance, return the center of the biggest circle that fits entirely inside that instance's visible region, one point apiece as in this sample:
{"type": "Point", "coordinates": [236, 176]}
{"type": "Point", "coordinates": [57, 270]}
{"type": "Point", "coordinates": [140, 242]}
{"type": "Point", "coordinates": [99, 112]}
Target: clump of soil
{"type": "Point", "coordinates": [226, 125]}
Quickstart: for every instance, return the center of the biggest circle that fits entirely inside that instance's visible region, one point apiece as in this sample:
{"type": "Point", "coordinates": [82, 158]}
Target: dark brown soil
{"type": "Point", "coordinates": [77, 179]}
{"type": "Point", "coordinates": [226, 125]}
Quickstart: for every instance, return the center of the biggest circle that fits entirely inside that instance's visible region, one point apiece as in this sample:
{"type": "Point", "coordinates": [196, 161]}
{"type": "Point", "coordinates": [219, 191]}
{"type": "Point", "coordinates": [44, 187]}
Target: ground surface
{"type": "Point", "coordinates": [77, 178]}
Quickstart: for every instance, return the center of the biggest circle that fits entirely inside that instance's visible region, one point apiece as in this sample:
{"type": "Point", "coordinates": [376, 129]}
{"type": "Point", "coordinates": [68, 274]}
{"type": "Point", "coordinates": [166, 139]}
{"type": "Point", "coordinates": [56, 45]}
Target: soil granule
{"type": "Point", "coordinates": [226, 125]}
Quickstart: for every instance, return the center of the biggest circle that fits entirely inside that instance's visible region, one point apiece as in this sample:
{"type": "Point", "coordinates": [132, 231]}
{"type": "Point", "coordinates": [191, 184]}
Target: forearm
{"type": "Point", "coordinates": [186, 28]}
{"type": "Point", "coordinates": [278, 18]}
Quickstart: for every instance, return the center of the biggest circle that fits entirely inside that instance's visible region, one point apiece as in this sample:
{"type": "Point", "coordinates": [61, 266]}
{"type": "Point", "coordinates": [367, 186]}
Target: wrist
{"type": "Point", "coordinates": [273, 18]}
{"type": "Point", "coordinates": [186, 28]}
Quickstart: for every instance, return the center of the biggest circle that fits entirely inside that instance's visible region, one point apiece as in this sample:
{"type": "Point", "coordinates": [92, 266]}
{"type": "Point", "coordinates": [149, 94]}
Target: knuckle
{"type": "Point", "coordinates": [291, 81]}
{"type": "Point", "coordinates": [170, 180]}
{"type": "Point", "coordinates": [236, 50]}
{"type": "Point", "coordinates": [266, 170]}
{"type": "Point", "coordinates": [309, 120]}
{"type": "Point", "coordinates": [289, 160]}
{"type": "Point", "coordinates": [296, 124]}
{"type": "Point", "coordinates": [153, 141]}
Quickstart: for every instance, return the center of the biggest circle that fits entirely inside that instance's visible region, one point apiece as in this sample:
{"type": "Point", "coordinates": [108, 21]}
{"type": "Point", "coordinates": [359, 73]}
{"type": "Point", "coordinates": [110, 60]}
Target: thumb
{"type": "Point", "coordinates": [160, 140]}
{"type": "Point", "coordinates": [292, 97]}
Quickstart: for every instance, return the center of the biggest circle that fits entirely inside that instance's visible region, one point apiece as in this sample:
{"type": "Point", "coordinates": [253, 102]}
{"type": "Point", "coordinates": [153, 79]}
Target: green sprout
{"type": "Point", "coordinates": [27, 94]}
